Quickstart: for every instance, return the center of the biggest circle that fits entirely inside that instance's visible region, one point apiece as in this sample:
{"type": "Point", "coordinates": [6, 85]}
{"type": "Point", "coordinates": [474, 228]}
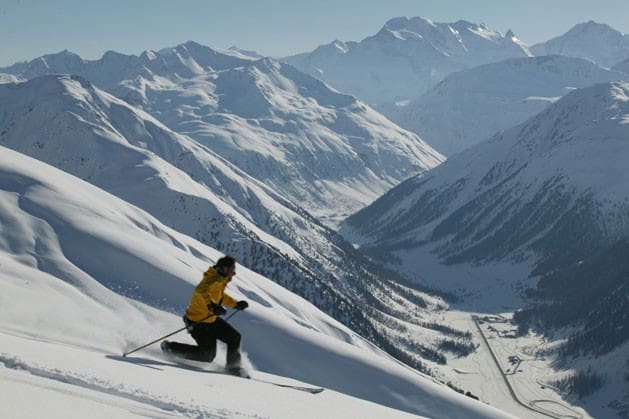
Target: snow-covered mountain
{"type": "Point", "coordinates": [326, 150]}
{"type": "Point", "coordinates": [597, 42]}
{"type": "Point", "coordinates": [406, 57]}
{"type": "Point", "coordinates": [547, 200]}
{"type": "Point", "coordinates": [113, 68]}
{"type": "Point", "coordinates": [67, 249]}
{"type": "Point", "coordinates": [553, 188]}
{"type": "Point", "coordinates": [70, 124]}
{"type": "Point", "coordinates": [472, 105]}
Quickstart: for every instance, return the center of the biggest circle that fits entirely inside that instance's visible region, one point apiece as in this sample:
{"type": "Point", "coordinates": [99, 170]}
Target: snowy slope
{"type": "Point", "coordinates": [622, 66]}
{"type": "Point", "coordinates": [9, 78]}
{"type": "Point", "coordinates": [406, 57]}
{"type": "Point", "coordinates": [472, 105]}
{"type": "Point", "coordinates": [519, 194]}
{"type": "Point", "coordinates": [328, 151]}
{"type": "Point", "coordinates": [67, 122]}
{"type": "Point", "coordinates": [597, 42]}
{"type": "Point", "coordinates": [68, 249]}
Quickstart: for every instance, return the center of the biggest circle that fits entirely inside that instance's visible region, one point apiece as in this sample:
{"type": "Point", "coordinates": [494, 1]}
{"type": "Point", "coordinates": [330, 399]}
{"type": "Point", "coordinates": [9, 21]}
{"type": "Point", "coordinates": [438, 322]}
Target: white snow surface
{"type": "Point", "coordinates": [472, 105]}
{"type": "Point", "coordinates": [9, 78]}
{"type": "Point", "coordinates": [66, 246]}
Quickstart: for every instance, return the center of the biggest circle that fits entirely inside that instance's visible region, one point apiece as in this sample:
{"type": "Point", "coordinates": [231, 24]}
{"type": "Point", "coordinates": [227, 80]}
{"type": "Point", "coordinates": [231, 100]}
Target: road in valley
{"type": "Point", "coordinates": [545, 407]}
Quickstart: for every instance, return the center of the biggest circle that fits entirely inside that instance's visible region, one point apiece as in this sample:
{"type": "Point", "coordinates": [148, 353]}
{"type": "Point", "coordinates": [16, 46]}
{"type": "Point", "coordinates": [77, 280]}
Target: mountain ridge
{"type": "Point", "coordinates": [484, 190]}
{"type": "Point", "coordinates": [412, 54]}
{"type": "Point", "coordinates": [597, 42]}
{"type": "Point", "coordinates": [251, 111]}
{"type": "Point", "coordinates": [472, 105]}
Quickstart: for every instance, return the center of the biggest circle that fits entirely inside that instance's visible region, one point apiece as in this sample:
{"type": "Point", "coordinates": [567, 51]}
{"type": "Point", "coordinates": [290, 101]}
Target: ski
{"type": "Point", "coordinates": [311, 390]}
{"type": "Point", "coordinates": [242, 373]}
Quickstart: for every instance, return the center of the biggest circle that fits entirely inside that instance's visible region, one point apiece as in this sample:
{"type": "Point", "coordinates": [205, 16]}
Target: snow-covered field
{"type": "Point", "coordinates": [41, 378]}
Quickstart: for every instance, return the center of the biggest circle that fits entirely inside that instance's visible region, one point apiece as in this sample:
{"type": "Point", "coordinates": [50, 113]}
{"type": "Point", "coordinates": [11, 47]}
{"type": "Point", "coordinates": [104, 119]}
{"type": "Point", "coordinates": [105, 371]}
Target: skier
{"type": "Point", "coordinates": [202, 318]}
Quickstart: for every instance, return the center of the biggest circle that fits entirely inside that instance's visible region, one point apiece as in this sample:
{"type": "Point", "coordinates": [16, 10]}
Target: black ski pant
{"type": "Point", "coordinates": [205, 334]}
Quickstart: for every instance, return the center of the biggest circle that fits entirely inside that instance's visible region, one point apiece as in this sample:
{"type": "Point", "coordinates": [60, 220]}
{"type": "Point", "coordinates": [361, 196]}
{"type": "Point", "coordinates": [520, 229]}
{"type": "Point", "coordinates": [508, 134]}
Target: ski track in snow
{"type": "Point", "coordinates": [114, 389]}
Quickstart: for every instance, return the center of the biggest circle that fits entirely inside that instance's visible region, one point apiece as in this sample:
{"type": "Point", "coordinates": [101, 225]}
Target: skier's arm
{"type": "Point", "coordinates": [218, 297]}
{"type": "Point", "coordinates": [229, 301]}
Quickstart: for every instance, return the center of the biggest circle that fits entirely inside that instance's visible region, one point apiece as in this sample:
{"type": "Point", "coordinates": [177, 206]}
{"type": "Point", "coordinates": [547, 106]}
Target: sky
{"type": "Point", "coordinates": [31, 28]}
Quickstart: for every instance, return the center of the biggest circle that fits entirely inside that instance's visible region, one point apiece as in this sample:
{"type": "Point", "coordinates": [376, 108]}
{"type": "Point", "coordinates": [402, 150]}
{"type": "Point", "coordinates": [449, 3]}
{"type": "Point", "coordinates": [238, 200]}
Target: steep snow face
{"type": "Point", "coordinates": [69, 123]}
{"type": "Point", "coordinates": [407, 56]}
{"type": "Point", "coordinates": [70, 251]}
{"type": "Point", "coordinates": [472, 105]}
{"type": "Point", "coordinates": [553, 188]}
{"type": "Point", "coordinates": [594, 41]}
{"type": "Point", "coordinates": [326, 150]}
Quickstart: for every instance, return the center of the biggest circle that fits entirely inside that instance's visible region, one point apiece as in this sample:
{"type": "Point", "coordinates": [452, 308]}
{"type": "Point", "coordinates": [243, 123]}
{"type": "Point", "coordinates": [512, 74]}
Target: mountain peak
{"type": "Point", "coordinates": [591, 26]}
{"type": "Point", "coordinates": [612, 97]}
{"type": "Point", "coordinates": [202, 57]}
{"type": "Point", "coordinates": [148, 55]}
{"type": "Point", "coordinates": [404, 22]}
{"type": "Point", "coordinates": [194, 44]}
{"type": "Point", "coordinates": [605, 106]}
{"type": "Point", "coordinates": [597, 42]}
{"type": "Point", "coordinates": [267, 65]}
{"type": "Point", "coordinates": [62, 54]}
{"type": "Point", "coordinates": [117, 58]}
{"type": "Point", "coordinates": [467, 23]}
{"type": "Point", "coordinates": [65, 56]}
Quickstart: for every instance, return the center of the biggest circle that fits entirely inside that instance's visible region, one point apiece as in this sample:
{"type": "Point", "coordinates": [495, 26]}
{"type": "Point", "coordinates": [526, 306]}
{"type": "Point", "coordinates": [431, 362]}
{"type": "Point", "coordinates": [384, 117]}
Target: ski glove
{"type": "Point", "coordinates": [189, 324]}
{"type": "Point", "coordinates": [241, 305]}
{"type": "Point", "coordinates": [216, 309]}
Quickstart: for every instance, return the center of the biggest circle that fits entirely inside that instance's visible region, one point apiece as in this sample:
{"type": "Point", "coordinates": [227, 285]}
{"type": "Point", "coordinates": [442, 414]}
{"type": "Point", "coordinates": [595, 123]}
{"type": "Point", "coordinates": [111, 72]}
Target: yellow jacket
{"type": "Point", "coordinates": [211, 289]}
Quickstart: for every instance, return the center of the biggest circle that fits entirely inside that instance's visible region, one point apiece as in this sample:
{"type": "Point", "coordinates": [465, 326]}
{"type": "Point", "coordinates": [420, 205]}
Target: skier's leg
{"type": "Point", "coordinates": [204, 352]}
{"type": "Point", "coordinates": [203, 334]}
{"type": "Point", "coordinates": [226, 333]}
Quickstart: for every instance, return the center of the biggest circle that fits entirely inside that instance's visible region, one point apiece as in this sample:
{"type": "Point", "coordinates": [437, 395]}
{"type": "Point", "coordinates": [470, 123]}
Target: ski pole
{"type": "Point", "coordinates": [170, 334]}
{"type": "Point", "coordinates": [232, 315]}
{"type": "Point", "coordinates": [155, 341]}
